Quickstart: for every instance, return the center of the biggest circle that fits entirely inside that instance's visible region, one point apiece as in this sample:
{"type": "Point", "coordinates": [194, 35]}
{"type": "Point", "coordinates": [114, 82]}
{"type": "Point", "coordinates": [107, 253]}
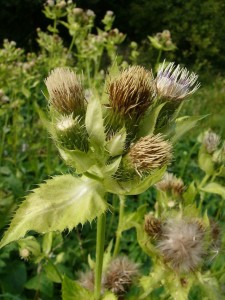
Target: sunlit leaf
{"type": "Point", "coordinates": [214, 188]}
{"type": "Point", "coordinates": [71, 290]}
{"type": "Point", "coordinates": [61, 203]}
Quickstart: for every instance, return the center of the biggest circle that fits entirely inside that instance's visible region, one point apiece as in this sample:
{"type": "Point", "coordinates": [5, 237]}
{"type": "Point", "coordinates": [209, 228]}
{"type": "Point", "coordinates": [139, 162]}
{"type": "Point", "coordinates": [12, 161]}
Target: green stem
{"type": "Point", "coordinates": [114, 205]}
{"type": "Point", "coordinates": [159, 57]}
{"type": "Point", "coordinates": [118, 232]}
{"type": "Point", "coordinates": [99, 254]}
{"type": "Point", "coordinates": [71, 44]}
{"type": "Point", "coordinates": [202, 183]}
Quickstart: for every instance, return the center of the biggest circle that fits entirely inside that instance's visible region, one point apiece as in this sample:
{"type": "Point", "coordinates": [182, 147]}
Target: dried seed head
{"type": "Point", "coordinates": [149, 153]}
{"type": "Point", "coordinates": [66, 94]}
{"type": "Point", "coordinates": [211, 141]}
{"type": "Point", "coordinates": [175, 83]}
{"type": "Point", "coordinates": [120, 274]}
{"type": "Point", "coordinates": [153, 226]}
{"type": "Point", "coordinates": [182, 244]}
{"type": "Point", "coordinates": [87, 280]}
{"type": "Point", "coordinates": [132, 92]}
{"type": "Point", "coordinates": [170, 183]}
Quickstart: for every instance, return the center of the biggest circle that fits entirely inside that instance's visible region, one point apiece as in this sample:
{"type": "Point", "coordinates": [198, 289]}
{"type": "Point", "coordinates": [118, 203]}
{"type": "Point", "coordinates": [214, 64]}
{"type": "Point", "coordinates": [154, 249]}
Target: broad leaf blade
{"type": "Point", "coordinates": [60, 203]}
{"type": "Point", "coordinates": [214, 188]}
{"type": "Point", "coordinates": [71, 290]}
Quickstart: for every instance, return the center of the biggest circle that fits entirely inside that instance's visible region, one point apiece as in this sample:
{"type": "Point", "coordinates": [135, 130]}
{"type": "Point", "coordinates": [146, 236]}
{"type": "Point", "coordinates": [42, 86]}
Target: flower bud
{"type": "Point", "coordinates": [71, 134]}
{"type": "Point", "coordinates": [211, 141]}
{"type": "Point", "coordinates": [132, 92]}
{"type": "Point", "coordinates": [153, 226]}
{"type": "Point", "coordinates": [170, 183]}
{"type": "Point", "coordinates": [147, 154]}
{"type": "Point", "coordinates": [66, 94]}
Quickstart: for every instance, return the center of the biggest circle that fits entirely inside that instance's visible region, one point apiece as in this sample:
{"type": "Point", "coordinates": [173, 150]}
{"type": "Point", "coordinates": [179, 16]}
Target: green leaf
{"type": "Point", "coordinates": [184, 124]}
{"type": "Point", "coordinates": [132, 219]}
{"type": "Point", "coordinates": [140, 186]}
{"type": "Point", "coordinates": [205, 162]}
{"type": "Point", "coordinates": [47, 243]}
{"type": "Point", "coordinates": [152, 281]}
{"type": "Point", "coordinates": [40, 283]}
{"type": "Point", "coordinates": [148, 122]}
{"type": "Point", "coordinates": [71, 290]}
{"type": "Point", "coordinates": [31, 244]}
{"type": "Point", "coordinates": [190, 194]}
{"type": "Point", "coordinates": [52, 273]}
{"type": "Point", "coordinates": [77, 159]}
{"type": "Point", "coordinates": [115, 146]}
{"type": "Point", "coordinates": [109, 296]}
{"type": "Point", "coordinates": [214, 188]}
{"type": "Point", "coordinates": [94, 123]}
{"type": "Point", "coordinates": [60, 203]}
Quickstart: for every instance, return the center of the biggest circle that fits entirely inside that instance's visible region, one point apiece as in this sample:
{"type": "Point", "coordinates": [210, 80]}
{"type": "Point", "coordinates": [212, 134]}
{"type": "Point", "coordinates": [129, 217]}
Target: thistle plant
{"type": "Point", "coordinates": [114, 145]}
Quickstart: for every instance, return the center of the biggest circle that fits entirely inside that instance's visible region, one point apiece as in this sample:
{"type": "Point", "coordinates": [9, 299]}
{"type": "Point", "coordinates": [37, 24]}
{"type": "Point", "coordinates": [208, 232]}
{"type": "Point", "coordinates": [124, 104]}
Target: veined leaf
{"type": "Point", "coordinates": [60, 203]}
{"type": "Point", "coordinates": [71, 290]}
{"type": "Point", "coordinates": [214, 188]}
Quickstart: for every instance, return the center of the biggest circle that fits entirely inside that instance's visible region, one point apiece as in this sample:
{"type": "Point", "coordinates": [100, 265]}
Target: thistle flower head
{"type": "Point", "coordinates": [153, 226]}
{"type": "Point", "coordinates": [132, 92]}
{"type": "Point", "coordinates": [211, 141]}
{"type": "Point", "coordinates": [182, 244]}
{"type": "Point", "coordinates": [149, 153]}
{"type": "Point", "coordinates": [170, 183]}
{"type": "Point", "coordinates": [120, 274]}
{"type": "Point", "coordinates": [66, 94]}
{"type": "Point", "coordinates": [174, 82]}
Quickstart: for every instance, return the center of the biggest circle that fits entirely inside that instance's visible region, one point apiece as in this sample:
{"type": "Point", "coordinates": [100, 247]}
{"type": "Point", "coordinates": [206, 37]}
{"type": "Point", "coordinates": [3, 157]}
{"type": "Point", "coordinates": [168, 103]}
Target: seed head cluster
{"type": "Point", "coordinates": [132, 92]}
{"type": "Point", "coordinates": [175, 83]}
{"type": "Point", "coordinates": [153, 226]}
{"type": "Point", "coordinates": [149, 153]}
{"type": "Point", "coordinates": [66, 94]}
{"type": "Point", "coordinates": [170, 183]}
{"type": "Point", "coordinates": [120, 274]}
{"type": "Point", "coordinates": [182, 244]}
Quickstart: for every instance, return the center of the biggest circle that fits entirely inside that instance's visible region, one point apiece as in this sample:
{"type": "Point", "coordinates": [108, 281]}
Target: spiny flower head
{"type": "Point", "coordinates": [175, 83]}
{"type": "Point", "coordinates": [170, 183]}
{"type": "Point", "coordinates": [182, 244]}
{"type": "Point", "coordinates": [211, 141]}
{"type": "Point", "coordinates": [132, 92]}
{"type": "Point", "coordinates": [66, 94]}
{"type": "Point", "coordinates": [120, 274]}
{"type": "Point", "coordinates": [153, 226]}
{"type": "Point", "coordinates": [149, 153]}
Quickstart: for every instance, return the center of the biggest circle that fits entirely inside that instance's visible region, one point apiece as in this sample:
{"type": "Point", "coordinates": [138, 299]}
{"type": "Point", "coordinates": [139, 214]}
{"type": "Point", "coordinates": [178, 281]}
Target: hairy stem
{"type": "Point", "coordinates": [99, 254]}
{"type": "Point", "coordinates": [118, 232]}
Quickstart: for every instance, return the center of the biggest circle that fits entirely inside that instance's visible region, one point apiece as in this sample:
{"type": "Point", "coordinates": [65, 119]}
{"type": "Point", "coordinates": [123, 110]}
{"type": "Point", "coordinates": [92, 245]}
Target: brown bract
{"type": "Point", "coordinates": [66, 94]}
{"type": "Point", "coordinates": [132, 92]}
{"type": "Point", "coordinates": [149, 153]}
{"type": "Point", "coordinates": [153, 226]}
{"type": "Point", "coordinates": [170, 183]}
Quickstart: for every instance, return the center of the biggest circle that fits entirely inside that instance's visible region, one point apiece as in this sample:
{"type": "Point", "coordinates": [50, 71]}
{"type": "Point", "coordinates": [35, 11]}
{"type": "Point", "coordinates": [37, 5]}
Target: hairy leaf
{"type": "Point", "coordinates": [60, 203]}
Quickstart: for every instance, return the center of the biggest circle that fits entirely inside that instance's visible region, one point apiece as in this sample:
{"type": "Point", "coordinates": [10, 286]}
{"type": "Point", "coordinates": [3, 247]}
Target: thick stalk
{"type": "Point", "coordinates": [118, 232]}
{"type": "Point", "coordinates": [99, 254]}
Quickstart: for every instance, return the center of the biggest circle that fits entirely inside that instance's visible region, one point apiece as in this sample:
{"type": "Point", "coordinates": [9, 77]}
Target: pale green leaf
{"type": "Point", "coordinates": [184, 124]}
{"type": "Point", "coordinates": [31, 244]}
{"type": "Point", "coordinates": [115, 146]}
{"type": "Point", "coordinates": [130, 220]}
{"type": "Point", "coordinates": [52, 273]}
{"type": "Point", "coordinates": [190, 193]}
{"type": "Point", "coordinates": [109, 296]}
{"type": "Point", "coordinates": [94, 123]}
{"type": "Point", "coordinates": [205, 162]}
{"type": "Point", "coordinates": [214, 188]}
{"type": "Point", "coordinates": [107, 256]}
{"type": "Point", "coordinates": [140, 186]}
{"type": "Point", "coordinates": [148, 122]}
{"type": "Point", "coordinates": [60, 203]}
{"type": "Point", "coordinates": [71, 290]}
{"type": "Point", "coordinates": [152, 281]}
{"type": "Point", "coordinates": [47, 243]}
{"type": "Point", "coordinates": [77, 159]}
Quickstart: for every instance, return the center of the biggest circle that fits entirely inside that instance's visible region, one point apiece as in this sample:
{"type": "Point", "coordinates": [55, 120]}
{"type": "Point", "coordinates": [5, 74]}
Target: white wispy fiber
{"type": "Point", "coordinates": [175, 82]}
{"type": "Point", "coordinates": [182, 244]}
